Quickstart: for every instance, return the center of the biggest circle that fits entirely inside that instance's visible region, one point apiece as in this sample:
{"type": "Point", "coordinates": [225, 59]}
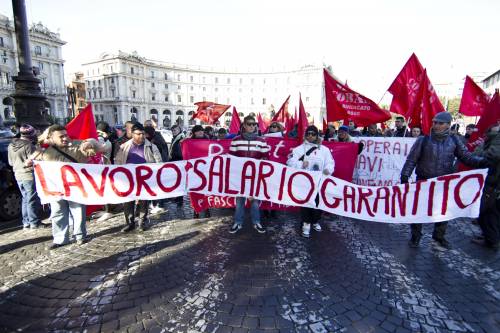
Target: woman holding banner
{"type": "Point", "coordinates": [313, 156]}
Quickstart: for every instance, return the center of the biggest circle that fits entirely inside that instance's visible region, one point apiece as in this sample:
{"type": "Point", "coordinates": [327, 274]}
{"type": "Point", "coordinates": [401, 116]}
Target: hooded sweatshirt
{"type": "Point", "coordinates": [18, 152]}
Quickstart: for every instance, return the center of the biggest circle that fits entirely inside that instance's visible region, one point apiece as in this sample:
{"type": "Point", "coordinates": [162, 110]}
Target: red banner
{"type": "Point", "coordinates": [344, 154]}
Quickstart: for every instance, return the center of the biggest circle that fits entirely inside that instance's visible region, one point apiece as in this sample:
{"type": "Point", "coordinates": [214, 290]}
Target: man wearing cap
{"type": "Point", "coordinates": [401, 130]}
{"type": "Point", "coordinates": [138, 150]}
{"type": "Point", "coordinates": [433, 156]}
{"type": "Point", "coordinates": [313, 156]}
{"type": "Point", "coordinates": [19, 152]}
{"type": "Point", "coordinates": [249, 144]}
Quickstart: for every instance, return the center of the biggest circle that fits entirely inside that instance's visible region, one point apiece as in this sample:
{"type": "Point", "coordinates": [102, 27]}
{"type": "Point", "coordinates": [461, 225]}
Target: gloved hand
{"type": "Point", "coordinates": [404, 179]}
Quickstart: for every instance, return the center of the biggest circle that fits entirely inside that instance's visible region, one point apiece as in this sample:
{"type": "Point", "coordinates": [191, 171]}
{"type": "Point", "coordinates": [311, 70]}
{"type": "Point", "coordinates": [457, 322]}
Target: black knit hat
{"type": "Point", "coordinates": [312, 128]}
{"type": "Point", "coordinates": [197, 128]}
{"type": "Point", "coordinates": [137, 127]}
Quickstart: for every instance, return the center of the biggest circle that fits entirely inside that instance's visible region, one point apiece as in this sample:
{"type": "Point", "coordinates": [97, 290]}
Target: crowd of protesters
{"type": "Point", "coordinates": [431, 155]}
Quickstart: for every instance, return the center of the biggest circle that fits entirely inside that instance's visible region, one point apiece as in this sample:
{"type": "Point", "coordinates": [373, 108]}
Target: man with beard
{"type": "Point", "coordinates": [433, 156]}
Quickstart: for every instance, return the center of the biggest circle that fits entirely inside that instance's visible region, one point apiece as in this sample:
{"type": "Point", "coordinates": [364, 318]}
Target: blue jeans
{"type": "Point", "coordinates": [61, 212]}
{"type": "Point", "coordinates": [30, 204]}
{"type": "Point", "coordinates": [239, 214]}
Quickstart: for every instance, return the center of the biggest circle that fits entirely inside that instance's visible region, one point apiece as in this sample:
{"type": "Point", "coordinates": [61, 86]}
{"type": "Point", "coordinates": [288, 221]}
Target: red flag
{"type": "Point", "coordinates": [290, 122]}
{"type": "Point", "coordinates": [282, 114]}
{"type": "Point", "coordinates": [209, 112]}
{"type": "Point", "coordinates": [425, 106]}
{"type": "Point", "coordinates": [474, 99]}
{"type": "Point", "coordinates": [405, 87]}
{"type": "Point", "coordinates": [343, 103]}
{"type": "Point", "coordinates": [302, 121]}
{"type": "Point", "coordinates": [235, 125]}
{"type": "Point", "coordinates": [490, 117]}
{"type": "Point", "coordinates": [82, 126]}
{"type": "Point", "coordinates": [261, 123]}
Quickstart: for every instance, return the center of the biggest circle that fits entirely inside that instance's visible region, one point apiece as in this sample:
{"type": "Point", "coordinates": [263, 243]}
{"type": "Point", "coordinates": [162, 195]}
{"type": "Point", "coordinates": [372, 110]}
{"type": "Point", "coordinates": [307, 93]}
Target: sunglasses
{"type": "Point", "coordinates": [274, 126]}
{"type": "Point", "coordinates": [251, 124]}
{"type": "Point", "coordinates": [311, 134]}
{"type": "Point", "coordinates": [438, 122]}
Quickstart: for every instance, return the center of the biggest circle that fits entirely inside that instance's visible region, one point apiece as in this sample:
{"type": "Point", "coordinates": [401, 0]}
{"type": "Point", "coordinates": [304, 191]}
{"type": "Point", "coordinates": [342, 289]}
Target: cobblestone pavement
{"type": "Point", "coordinates": [185, 275]}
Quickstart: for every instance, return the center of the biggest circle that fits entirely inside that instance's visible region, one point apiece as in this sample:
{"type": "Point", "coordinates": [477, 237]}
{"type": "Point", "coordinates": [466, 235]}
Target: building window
{"type": "Point", "coordinates": [264, 81]}
{"type": "Point", "coordinates": [216, 89]}
{"type": "Point", "coordinates": [1, 41]}
{"type": "Point", "coordinates": [111, 69]}
{"type": "Point", "coordinates": [263, 101]}
{"type": "Point", "coordinates": [166, 98]}
{"type": "Point", "coordinates": [112, 93]}
{"type": "Point", "coordinates": [203, 79]}
{"type": "Point", "coordinates": [307, 99]}
{"type": "Point", "coordinates": [204, 88]}
{"type": "Point", "coordinates": [191, 99]}
{"type": "Point", "coordinates": [166, 85]}
{"type": "Point", "coordinates": [191, 88]}
{"type": "Point", "coordinates": [38, 50]}
{"type": "Point", "coordinates": [95, 95]}
{"type": "Point", "coordinates": [152, 84]}
{"type": "Point", "coordinates": [216, 80]}
{"type": "Point", "coordinates": [153, 97]}
{"type": "Point", "coordinates": [179, 87]}
{"type": "Point", "coordinates": [112, 80]}
{"type": "Point", "coordinates": [166, 76]}
{"type": "Point", "coordinates": [179, 98]}
{"type": "Point", "coordinates": [252, 81]}
{"type": "Point", "coordinates": [251, 101]}
{"type": "Point", "coordinates": [152, 74]}
{"type": "Point", "coordinates": [131, 70]}
{"type": "Point", "coordinates": [40, 65]}
{"type": "Point", "coordinates": [100, 93]}
{"type": "Point", "coordinates": [178, 77]}
{"type": "Point", "coordinates": [228, 80]}
{"type": "Point", "coordinates": [191, 78]}
{"type": "Point", "coordinates": [133, 94]}
{"type": "Point", "coordinates": [241, 81]}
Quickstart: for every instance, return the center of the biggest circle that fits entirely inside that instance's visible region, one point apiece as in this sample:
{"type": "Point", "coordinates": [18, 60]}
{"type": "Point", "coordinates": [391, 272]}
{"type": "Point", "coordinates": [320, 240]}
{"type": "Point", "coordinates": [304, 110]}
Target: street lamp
{"type": "Point", "coordinates": [29, 102]}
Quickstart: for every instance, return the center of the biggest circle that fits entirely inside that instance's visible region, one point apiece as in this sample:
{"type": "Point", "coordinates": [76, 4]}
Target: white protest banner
{"type": "Point", "coordinates": [433, 200]}
{"type": "Point", "coordinates": [97, 184]}
{"type": "Point", "coordinates": [381, 161]}
{"type": "Point", "coordinates": [228, 175]}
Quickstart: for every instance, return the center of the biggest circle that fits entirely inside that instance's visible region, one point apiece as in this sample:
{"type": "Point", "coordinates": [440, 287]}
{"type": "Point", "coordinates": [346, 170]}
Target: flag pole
{"type": "Point", "coordinates": [381, 98]}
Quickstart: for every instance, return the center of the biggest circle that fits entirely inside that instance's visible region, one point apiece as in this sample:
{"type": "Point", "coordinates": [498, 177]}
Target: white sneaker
{"type": "Point", "coordinates": [104, 217]}
{"type": "Point", "coordinates": [156, 210]}
{"type": "Point", "coordinates": [317, 227]}
{"type": "Point", "coordinates": [306, 229]}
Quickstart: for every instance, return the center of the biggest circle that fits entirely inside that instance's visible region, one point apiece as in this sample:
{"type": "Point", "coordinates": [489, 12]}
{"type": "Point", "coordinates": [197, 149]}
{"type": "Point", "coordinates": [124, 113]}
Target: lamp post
{"type": "Point", "coordinates": [29, 102]}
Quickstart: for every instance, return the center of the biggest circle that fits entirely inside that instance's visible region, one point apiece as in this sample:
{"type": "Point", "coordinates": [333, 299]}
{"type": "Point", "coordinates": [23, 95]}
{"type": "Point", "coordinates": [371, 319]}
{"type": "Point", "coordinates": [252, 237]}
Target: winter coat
{"type": "Point", "coordinates": [176, 149]}
{"type": "Point", "coordinates": [491, 151]}
{"type": "Point", "coordinates": [433, 157]}
{"type": "Point", "coordinates": [161, 144]}
{"type": "Point", "coordinates": [318, 160]}
{"type": "Point", "coordinates": [18, 152]}
{"type": "Point", "coordinates": [253, 147]}
{"type": "Point", "coordinates": [151, 152]}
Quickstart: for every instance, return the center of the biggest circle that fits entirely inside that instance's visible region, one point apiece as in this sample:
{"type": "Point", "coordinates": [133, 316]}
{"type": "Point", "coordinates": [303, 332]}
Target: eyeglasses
{"type": "Point", "coordinates": [438, 122]}
{"type": "Point", "coordinates": [251, 124]}
{"type": "Point", "coordinates": [311, 134]}
{"type": "Point", "coordinates": [138, 133]}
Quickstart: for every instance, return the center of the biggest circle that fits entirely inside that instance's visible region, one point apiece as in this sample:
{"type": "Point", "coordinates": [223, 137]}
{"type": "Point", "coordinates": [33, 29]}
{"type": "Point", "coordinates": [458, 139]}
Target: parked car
{"type": "Point", "coordinates": [10, 196]}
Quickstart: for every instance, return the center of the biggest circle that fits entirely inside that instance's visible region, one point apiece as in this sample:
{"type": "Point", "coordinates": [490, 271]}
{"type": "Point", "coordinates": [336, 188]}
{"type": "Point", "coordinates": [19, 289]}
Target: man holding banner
{"type": "Point", "coordinates": [433, 156]}
{"type": "Point", "coordinates": [313, 156]}
{"type": "Point", "coordinates": [248, 144]}
{"type": "Point", "coordinates": [138, 150]}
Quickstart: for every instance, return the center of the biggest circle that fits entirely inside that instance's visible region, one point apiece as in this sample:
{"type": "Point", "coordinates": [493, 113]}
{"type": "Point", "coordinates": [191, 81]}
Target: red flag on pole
{"type": "Point", "coordinates": [490, 117]}
{"type": "Point", "coordinates": [343, 103]}
{"type": "Point", "coordinates": [405, 87]}
{"type": "Point", "coordinates": [302, 121]}
{"type": "Point", "coordinates": [425, 106]}
{"type": "Point", "coordinates": [282, 114]}
{"type": "Point", "coordinates": [209, 112]}
{"type": "Point", "coordinates": [474, 99]}
{"type": "Point", "coordinates": [82, 126]}
{"type": "Point", "coordinates": [261, 123]}
{"type": "Point", "coordinates": [235, 125]}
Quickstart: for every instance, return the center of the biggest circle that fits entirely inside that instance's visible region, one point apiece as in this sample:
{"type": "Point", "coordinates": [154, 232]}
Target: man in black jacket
{"type": "Point", "coordinates": [176, 152]}
{"type": "Point", "coordinates": [433, 156]}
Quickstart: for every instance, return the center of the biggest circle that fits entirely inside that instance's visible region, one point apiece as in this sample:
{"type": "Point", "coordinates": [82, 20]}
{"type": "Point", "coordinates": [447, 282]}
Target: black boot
{"type": "Point", "coordinates": [414, 241]}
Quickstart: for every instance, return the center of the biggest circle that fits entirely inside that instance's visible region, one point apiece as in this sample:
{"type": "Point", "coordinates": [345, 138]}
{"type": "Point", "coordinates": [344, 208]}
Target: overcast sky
{"type": "Point", "coordinates": [365, 42]}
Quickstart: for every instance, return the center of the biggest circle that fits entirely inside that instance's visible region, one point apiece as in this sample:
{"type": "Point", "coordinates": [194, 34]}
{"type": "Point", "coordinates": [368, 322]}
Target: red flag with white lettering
{"type": "Point", "coordinates": [425, 106]}
{"type": "Point", "coordinates": [209, 112]}
{"type": "Point", "coordinates": [474, 99]}
{"type": "Point", "coordinates": [343, 103]}
{"type": "Point", "coordinates": [406, 85]}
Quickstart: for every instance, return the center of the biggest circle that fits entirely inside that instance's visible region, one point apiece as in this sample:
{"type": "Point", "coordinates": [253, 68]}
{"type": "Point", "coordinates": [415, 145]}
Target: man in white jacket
{"type": "Point", "coordinates": [313, 156]}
